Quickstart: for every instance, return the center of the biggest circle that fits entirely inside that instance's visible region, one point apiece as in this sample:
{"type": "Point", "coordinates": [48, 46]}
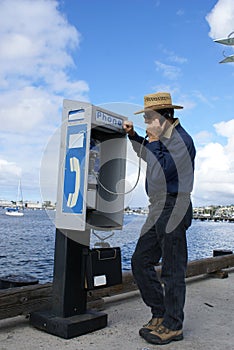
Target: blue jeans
{"type": "Point", "coordinates": [157, 242]}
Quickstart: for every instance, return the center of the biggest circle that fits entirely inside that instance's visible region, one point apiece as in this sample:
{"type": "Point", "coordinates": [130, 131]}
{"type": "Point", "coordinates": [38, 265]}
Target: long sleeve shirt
{"type": "Point", "coordinates": [170, 161]}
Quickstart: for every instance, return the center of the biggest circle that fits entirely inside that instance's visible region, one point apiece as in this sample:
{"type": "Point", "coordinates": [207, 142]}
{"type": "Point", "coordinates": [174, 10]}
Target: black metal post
{"type": "Point", "coordinates": [68, 316]}
{"type": "Point", "coordinates": [69, 294]}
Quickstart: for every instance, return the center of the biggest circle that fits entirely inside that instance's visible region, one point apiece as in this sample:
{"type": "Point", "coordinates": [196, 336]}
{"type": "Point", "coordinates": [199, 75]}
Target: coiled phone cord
{"type": "Point", "coordinates": [138, 175]}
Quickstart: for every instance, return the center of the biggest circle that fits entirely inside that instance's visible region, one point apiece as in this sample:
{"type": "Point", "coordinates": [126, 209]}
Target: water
{"type": "Point", "coordinates": [27, 243]}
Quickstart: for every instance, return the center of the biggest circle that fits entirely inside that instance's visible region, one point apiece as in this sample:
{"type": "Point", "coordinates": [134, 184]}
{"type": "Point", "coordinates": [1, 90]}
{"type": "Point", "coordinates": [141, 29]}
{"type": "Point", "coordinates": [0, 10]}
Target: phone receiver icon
{"type": "Point", "coordinates": [73, 197]}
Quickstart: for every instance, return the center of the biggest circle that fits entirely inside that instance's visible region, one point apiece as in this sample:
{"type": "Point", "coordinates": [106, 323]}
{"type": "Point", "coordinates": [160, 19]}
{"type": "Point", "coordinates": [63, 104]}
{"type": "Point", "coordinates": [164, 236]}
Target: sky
{"type": "Point", "coordinates": [112, 53]}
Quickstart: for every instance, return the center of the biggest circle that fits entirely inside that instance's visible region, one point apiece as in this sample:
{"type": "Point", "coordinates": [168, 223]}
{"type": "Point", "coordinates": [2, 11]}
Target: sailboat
{"type": "Point", "coordinates": [16, 210]}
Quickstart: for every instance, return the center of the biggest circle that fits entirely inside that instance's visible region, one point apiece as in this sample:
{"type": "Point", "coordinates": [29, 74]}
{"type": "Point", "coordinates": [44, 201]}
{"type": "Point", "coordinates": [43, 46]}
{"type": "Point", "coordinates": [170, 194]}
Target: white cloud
{"type": "Point", "coordinates": [214, 171]}
{"type": "Point", "coordinates": [201, 97]}
{"type": "Point", "coordinates": [225, 129]}
{"type": "Point", "coordinates": [22, 110]}
{"type": "Point", "coordinates": [180, 12]}
{"type": "Point", "coordinates": [9, 168]}
{"type": "Point", "coordinates": [221, 19]}
{"type": "Point", "coordinates": [12, 172]}
{"type": "Point", "coordinates": [169, 71]}
{"type": "Point", "coordinates": [203, 137]}
{"type": "Point", "coordinates": [173, 57]}
{"type": "Point", "coordinates": [36, 46]}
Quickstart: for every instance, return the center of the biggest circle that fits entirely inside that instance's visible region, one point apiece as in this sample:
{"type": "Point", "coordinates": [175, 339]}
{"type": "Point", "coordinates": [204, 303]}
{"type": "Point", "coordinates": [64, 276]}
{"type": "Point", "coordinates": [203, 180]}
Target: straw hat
{"type": "Point", "coordinates": [159, 100]}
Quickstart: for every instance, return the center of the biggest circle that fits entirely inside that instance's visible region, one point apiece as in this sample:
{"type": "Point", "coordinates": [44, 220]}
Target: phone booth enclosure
{"type": "Point", "coordinates": [91, 179]}
{"type": "Point", "coordinates": [90, 195]}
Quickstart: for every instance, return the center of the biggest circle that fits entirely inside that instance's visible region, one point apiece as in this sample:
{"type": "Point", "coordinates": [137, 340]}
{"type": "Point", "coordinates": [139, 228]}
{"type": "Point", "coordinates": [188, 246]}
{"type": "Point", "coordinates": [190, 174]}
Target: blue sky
{"type": "Point", "coordinates": [114, 52]}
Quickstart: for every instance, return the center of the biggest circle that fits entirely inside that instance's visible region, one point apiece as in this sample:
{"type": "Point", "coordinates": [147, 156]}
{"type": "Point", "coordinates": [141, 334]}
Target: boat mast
{"type": "Point", "coordinates": [20, 194]}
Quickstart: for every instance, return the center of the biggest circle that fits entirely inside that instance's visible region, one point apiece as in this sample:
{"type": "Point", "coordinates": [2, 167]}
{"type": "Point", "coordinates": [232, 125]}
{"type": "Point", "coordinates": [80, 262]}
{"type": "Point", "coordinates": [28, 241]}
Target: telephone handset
{"type": "Point", "coordinates": [162, 119]}
{"type": "Point", "coordinates": [73, 197]}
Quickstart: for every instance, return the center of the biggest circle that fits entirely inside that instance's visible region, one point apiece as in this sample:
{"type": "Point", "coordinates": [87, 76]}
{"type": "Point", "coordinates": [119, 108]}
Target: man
{"type": "Point", "coordinates": [169, 153]}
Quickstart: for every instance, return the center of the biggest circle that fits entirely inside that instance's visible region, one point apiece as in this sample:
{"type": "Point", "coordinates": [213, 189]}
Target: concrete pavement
{"type": "Point", "coordinates": [209, 323]}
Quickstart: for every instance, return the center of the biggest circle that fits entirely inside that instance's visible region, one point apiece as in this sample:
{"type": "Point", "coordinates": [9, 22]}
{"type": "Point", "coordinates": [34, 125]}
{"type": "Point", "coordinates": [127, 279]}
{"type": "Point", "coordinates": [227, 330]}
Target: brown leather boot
{"type": "Point", "coordinates": [162, 335]}
{"type": "Point", "coordinates": [150, 326]}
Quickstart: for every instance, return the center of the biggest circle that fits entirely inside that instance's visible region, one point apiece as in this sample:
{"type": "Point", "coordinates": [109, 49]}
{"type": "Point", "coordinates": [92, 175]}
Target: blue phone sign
{"type": "Point", "coordinates": [73, 190]}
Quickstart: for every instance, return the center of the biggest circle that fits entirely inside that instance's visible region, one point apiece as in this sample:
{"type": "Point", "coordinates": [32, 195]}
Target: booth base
{"type": "Point", "coordinates": [68, 327]}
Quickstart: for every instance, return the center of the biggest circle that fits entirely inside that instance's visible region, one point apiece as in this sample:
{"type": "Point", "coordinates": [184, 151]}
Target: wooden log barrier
{"type": "Point", "coordinates": [24, 300]}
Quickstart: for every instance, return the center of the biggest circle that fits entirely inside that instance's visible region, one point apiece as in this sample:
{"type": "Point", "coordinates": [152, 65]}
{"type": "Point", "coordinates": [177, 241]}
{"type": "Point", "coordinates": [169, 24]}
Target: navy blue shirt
{"type": "Point", "coordinates": [170, 162]}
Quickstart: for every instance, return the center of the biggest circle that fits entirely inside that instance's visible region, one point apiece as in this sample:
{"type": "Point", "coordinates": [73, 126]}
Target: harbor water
{"type": "Point", "coordinates": [27, 243]}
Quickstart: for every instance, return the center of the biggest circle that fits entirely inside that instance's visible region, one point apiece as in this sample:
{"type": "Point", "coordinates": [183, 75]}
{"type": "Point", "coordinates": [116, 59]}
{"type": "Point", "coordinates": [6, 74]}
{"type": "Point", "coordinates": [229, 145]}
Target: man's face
{"type": "Point", "coordinates": [150, 116]}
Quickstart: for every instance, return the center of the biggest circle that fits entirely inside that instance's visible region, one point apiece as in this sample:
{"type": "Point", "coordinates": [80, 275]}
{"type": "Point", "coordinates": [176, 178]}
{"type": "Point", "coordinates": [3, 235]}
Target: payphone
{"type": "Point", "coordinates": [91, 188]}
{"type": "Point", "coordinates": [92, 169]}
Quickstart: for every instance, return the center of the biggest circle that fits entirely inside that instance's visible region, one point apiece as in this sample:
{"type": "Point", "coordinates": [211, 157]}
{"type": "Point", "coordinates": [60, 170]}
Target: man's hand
{"type": "Point", "coordinates": [128, 127]}
{"type": "Point", "coordinates": [155, 130]}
